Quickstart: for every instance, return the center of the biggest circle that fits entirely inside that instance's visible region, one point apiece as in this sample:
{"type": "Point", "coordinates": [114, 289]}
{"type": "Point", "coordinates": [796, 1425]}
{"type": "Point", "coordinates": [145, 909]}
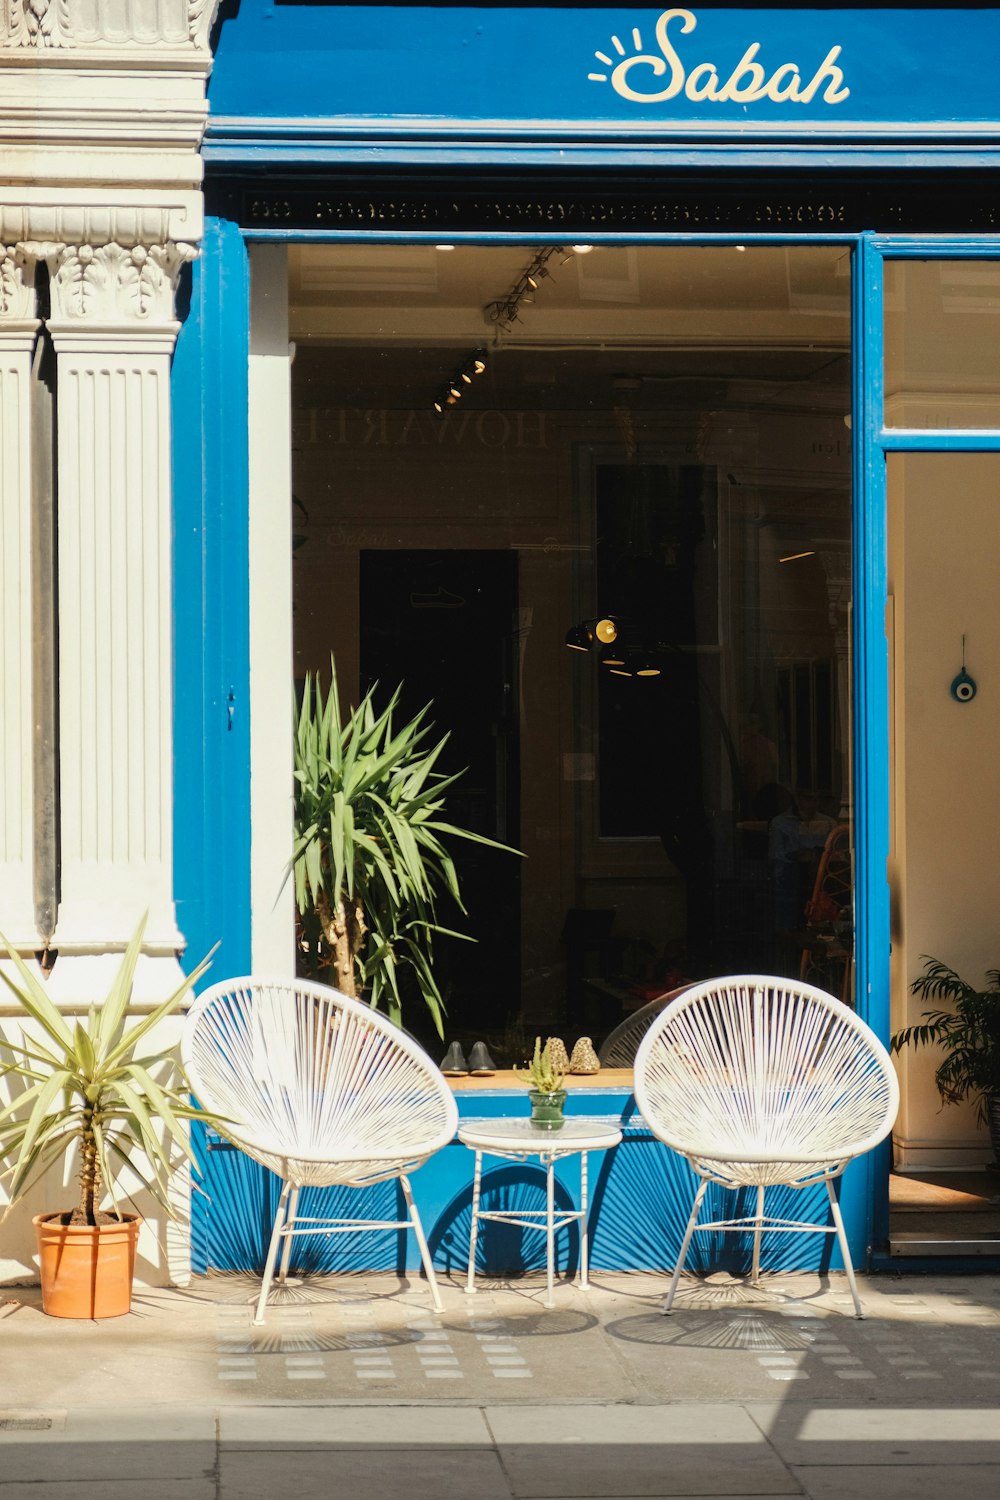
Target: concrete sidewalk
{"type": "Point", "coordinates": [353, 1386]}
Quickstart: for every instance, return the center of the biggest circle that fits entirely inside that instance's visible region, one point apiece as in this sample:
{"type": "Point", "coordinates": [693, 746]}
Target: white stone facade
{"type": "Point", "coordinates": [102, 111]}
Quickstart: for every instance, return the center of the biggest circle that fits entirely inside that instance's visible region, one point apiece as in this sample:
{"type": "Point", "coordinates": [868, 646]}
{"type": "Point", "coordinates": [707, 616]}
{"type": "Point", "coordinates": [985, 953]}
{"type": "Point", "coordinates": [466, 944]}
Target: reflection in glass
{"type": "Point", "coordinates": [942, 343]}
{"type": "Point", "coordinates": [658, 441]}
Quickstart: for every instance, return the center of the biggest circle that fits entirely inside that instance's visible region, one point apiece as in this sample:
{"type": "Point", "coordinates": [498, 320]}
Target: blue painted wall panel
{"type": "Point", "coordinates": [211, 607]}
{"type": "Point", "coordinates": [211, 637]}
{"type": "Point", "coordinates": [640, 1195]}
{"type": "Point", "coordinates": [416, 64]}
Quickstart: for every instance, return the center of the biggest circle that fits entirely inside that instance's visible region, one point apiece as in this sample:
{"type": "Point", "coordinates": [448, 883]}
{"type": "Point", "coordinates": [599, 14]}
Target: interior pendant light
{"type": "Point", "coordinates": [647, 666]}
{"type": "Point", "coordinates": [579, 638]}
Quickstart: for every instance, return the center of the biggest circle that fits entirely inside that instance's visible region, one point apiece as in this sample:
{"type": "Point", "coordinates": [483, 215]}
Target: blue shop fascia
{"type": "Point", "coordinates": [384, 128]}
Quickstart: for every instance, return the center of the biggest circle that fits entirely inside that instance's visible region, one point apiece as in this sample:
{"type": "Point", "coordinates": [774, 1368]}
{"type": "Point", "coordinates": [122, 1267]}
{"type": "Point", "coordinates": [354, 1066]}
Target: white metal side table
{"type": "Point", "coordinates": [519, 1140]}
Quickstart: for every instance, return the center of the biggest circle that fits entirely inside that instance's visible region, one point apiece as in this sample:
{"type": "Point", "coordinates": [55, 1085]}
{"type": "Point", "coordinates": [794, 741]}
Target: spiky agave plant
{"type": "Point", "coordinates": [85, 1085]}
{"type": "Point", "coordinates": [369, 859]}
{"type": "Point", "coordinates": [969, 1033]}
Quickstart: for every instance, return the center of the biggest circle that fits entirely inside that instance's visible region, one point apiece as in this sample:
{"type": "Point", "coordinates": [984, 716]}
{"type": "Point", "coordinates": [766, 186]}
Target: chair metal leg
{"type": "Point", "coordinates": [272, 1251]}
{"type": "Point", "coordinates": [758, 1224]}
{"type": "Point", "coordinates": [550, 1234]}
{"type": "Point", "coordinates": [584, 1246]}
{"type": "Point", "coordinates": [844, 1248]}
{"type": "Point", "coordinates": [685, 1243]}
{"type": "Point", "coordinates": [286, 1254]}
{"type": "Point", "coordinates": [425, 1255]}
{"type": "Point", "coordinates": [477, 1183]}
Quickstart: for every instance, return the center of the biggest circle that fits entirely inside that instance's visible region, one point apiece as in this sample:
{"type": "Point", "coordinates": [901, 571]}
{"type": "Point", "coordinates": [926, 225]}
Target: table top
{"type": "Point", "coordinates": [522, 1135]}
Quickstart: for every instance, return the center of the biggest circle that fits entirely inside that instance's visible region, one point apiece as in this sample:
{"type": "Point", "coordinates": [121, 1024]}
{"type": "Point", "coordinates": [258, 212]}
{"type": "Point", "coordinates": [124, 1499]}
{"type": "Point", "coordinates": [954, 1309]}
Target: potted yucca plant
{"type": "Point", "coordinates": [370, 858]}
{"type": "Point", "coordinates": [85, 1086]}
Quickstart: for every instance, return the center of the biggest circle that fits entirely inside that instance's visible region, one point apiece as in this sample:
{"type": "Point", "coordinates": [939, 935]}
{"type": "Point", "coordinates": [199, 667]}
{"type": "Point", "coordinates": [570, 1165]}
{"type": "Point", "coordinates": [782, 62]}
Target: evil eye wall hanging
{"type": "Point", "coordinates": [963, 687]}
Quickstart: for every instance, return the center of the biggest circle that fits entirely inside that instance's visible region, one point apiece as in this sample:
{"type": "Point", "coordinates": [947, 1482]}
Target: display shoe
{"type": "Point", "coordinates": [584, 1059]}
{"type": "Point", "coordinates": [453, 1064]}
{"type": "Point", "coordinates": [558, 1056]}
{"type": "Point", "coordinates": [481, 1064]}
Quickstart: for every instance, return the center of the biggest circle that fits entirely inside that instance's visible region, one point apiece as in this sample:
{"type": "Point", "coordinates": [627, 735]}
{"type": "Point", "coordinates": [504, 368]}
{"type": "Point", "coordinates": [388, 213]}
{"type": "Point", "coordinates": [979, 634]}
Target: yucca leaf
{"type": "Point", "coordinates": [35, 1001]}
{"type": "Point", "coordinates": [151, 1090]}
{"type": "Point", "coordinates": [113, 1010]}
{"type": "Point", "coordinates": [370, 833]}
{"type": "Point", "coordinates": [142, 1027]}
{"type": "Point", "coordinates": [33, 1052]}
{"type": "Point", "coordinates": [36, 1124]}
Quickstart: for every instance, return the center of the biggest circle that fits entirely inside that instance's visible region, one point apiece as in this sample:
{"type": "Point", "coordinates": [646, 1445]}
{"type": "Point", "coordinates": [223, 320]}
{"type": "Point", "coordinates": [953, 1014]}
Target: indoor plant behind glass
{"type": "Point", "coordinates": [85, 1088]}
{"type": "Point", "coordinates": [545, 1080]}
{"type": "Point", "coordinates": [969, 1033]}
{"type": "Point", "coordinates": [370, 857]}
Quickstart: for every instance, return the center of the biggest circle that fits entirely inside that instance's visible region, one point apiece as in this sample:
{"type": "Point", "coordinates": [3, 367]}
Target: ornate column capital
{"type": "Point", "coordinates": [17, 285]}
{"type": "Point", "coordinates": [126, 289]}
{"type": "Point", "coordinates": [37, 23]}
{"type": "Point", "coordinates": [104, 24]}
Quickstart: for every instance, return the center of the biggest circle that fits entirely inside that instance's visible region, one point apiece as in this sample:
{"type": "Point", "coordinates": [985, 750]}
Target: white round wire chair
{"type": "Point", "coordinates": [620, 1045]}
{"type": "Point", "coordinates": [321, 1089]}
{"type": "Point", "coordinates": [762, 1082]}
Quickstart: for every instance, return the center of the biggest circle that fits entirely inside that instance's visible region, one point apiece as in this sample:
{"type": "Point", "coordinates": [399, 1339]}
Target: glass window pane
{"type": "Point", "coordinates": [942, 343]}
{"type": "Point", "coordinates": [657, 440]}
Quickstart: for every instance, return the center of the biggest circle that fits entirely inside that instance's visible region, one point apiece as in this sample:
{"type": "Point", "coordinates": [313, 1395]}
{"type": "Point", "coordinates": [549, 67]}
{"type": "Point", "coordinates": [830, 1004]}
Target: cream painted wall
{"type": "Point", "coordinates": [944, 527]}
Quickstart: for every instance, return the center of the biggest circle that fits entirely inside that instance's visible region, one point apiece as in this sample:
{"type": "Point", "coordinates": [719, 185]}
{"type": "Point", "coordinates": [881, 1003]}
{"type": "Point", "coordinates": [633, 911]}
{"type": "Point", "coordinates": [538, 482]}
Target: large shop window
{"type": "Point", "coordinates": [497, 448]}
{"type": "Point", "coordinates": [942, 325]}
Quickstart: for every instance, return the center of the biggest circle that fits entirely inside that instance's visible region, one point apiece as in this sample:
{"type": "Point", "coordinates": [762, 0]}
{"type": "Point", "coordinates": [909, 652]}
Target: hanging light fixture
{"type": "Point", "coordinates": [616, 647]}
{"type": "Point", "coordinates": [647, 666]}
{"type": "Point", "coordinates": [579, 638]}
{"type": "Point", "coordinates": [601, 628]}
{"type": "Point", "coordinates": [624, 670]}
{"type": "Point", "coordinates": [465, 376]}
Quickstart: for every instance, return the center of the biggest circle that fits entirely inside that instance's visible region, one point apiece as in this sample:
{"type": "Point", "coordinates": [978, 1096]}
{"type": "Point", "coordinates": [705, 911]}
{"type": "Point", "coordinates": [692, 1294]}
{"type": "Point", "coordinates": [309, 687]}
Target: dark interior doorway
{"type": "Point", "coordinates": [442, 624]}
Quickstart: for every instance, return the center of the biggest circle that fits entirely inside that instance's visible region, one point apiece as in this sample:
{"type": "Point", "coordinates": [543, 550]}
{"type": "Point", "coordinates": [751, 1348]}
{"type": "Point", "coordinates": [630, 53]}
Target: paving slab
{"type": "Point", "coordinates": [152, 1489]}
{"type": "Point", "coordinates": [925, 1434]}
{"type": "Point", "coordinates": [704, 1449]}
{"type": "Point", "coordinates": [877, 1482]}
{"type": "Point", "coordinates": [356, 1428]}
{"type": "Point", "coordinates": [418, 1475]}
{"type": "Point", "coordinates": [95, 1443]}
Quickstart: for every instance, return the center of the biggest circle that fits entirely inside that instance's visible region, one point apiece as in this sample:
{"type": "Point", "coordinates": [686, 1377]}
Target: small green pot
{"type": "Point", "coordinates": [547, 1109]}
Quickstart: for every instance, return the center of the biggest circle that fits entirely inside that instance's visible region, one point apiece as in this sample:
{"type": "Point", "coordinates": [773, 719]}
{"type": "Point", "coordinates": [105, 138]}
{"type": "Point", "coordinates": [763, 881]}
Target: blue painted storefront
{"type": "Point", "coordinates": [310, 98]}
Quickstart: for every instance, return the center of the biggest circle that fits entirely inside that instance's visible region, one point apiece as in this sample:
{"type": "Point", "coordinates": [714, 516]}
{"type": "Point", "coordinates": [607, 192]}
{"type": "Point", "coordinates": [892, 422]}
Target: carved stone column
{"type": "Point", "coordinates": [113, 328]}
{"type": "Point", "coordinates": [18, 331]}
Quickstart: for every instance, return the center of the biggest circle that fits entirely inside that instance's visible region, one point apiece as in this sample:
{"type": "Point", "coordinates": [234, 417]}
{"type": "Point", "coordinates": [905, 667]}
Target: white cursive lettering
{"type": "Point", "coordinates": [745, 84]}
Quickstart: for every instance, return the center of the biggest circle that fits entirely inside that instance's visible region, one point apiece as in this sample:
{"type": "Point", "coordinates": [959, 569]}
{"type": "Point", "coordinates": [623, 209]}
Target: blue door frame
{"type": "Point", "coordinates": [212, 666]}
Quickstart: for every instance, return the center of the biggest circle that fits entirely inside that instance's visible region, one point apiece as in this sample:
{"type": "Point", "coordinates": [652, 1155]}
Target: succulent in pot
{"type": "Point", "coordinates": [545, 1078]}
{"type": "Point", "coordinates": [83, 1086]}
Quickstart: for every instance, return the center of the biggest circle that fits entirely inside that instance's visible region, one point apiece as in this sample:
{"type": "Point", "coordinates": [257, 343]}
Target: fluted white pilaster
{"type": "Point", "coordinates": [18, 330]}
{"type": "Point", "coordinates": [113, 331]}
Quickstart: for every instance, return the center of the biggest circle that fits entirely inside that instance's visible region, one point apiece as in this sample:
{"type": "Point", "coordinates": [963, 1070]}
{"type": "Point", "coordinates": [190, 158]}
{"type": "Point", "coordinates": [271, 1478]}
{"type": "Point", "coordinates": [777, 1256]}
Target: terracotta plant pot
{"type": "Point", "coordinates": [547, 1109]}
{"type": "Point", "coordinates": [86, 1271]}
